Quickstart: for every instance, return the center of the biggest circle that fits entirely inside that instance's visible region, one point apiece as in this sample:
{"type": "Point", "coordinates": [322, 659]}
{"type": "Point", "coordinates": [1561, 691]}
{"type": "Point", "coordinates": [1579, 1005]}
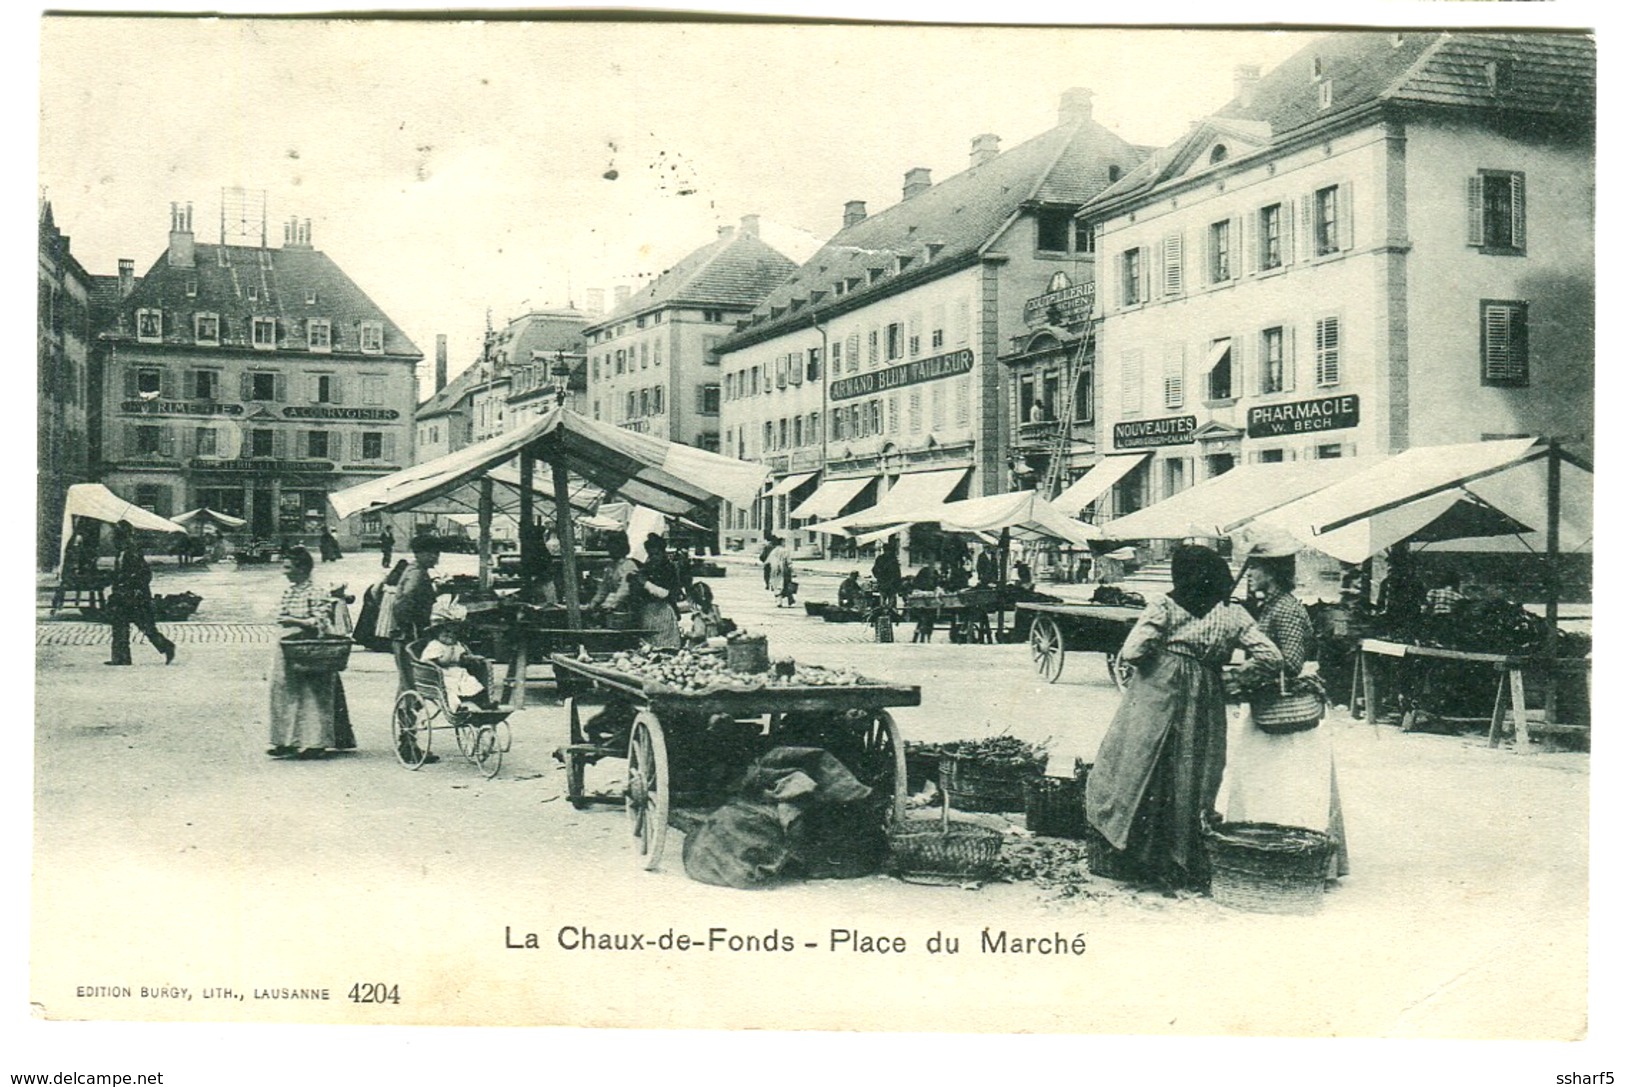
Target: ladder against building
{"type": "Point", "coordinates": [1061, 441]}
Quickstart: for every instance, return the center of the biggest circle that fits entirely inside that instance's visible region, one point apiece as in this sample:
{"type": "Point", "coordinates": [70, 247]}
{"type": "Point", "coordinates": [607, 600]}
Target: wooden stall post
{"type": "Point", "coordinates": [567, 542]}
{"type": "Point", "coordinates": [486, 505]}
{"type": "Point", "coordinates": [1554, 483]}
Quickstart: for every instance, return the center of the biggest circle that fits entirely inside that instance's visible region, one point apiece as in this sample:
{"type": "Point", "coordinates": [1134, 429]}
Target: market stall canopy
{"type": "Point", "coordinates": [1474, 490]}
{"type": "Point", "coordinates": [671, 478]}
{"type": "Point", "coordinates": [912, 491]}
{"type": "Point", "coordinates": [96, 502]}
{"type": "Point", "coordinates": [1024, 513]}
{"type": "Point", "coordinates": [832, 496]}
{"type": "Point", "coordinates": [1212, 507]}
{"type": "Point", "coordinates": [205, 514]}
{"type": "Point", "coordinates": [789, 483]}
{"type": "Point", "coordinates": [1096, 482]}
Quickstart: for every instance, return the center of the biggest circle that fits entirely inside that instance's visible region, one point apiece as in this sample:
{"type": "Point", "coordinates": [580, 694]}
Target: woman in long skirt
{"type": "Point", "coordinates": [1157, 773]}
{"type": "Point", "coordinates": [1290, 779]}
{"type": "Point", "coordinates": [657, 594]}
{"type": "Point", "coordinates": [302, 703]}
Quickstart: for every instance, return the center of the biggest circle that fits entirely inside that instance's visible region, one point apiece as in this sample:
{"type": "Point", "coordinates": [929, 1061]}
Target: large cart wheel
{"type": "Point", "coordinates": [572, 711]}
{"type": "Point", "coordinates": [648, 794]}
{"type": "Point", "coordinates": [410, 730]}
{"type": "Point", "coordinates": [1049, 648]}
{"type": "Point", "coordinates": [883, 754]}
{"type": "Point", "coordinates": [487, 751]}
{"type": "Point", "coordinates": [575, 765]}
{"type": "Point", "coordinates": [1120, 670]}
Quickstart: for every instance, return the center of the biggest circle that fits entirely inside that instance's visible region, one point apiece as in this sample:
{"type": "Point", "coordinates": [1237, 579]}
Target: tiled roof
{"type": "Point", "coordinates": [733, 272]}
{"type": "Point", "coordinates": [222, 278]}
{"type": "Point", "coordinates": [447, 398]}
{"type": "Point", "coordinates": [938, 229]}
{"type": "Point", "coordinates": [1537, 75]}
{"type": "Point", "coordinates": [545, 331]}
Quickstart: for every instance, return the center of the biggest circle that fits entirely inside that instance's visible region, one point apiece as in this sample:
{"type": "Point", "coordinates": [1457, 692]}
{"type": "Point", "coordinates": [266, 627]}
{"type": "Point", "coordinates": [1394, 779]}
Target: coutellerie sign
{"type": "Point", "coordinates": [1062, 304]}
{"type": "Point", "coordinates": [1304, 416]}
{"type": "Point", "coordinates": [341, 413]}
{"type": "Point", "coordinates": [953, 364]}
{"type": "Point", "coordinates": [1143, 433]}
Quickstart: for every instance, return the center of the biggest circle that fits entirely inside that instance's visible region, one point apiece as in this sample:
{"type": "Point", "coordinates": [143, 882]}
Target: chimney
{"type": "Point", "coordinates": [622, 293]}
{"type": "Point", "coordinates": [126, 277]}
{"type": "Point", "coordinates": [750, 226]}
{"type": "Point", "coordinates": [984, 149]}
{"type": "Point", "coordinates": [725, 231]}
{"type": "Point", "coordinates": [440, 362]}
{"type": "Point", "coordinates": [1246, 81]}
{"type": "Point", "coordinates": [595, 300]}
{"type": "Point", "coordinates": [182, 254]}
{"type": "Point", "coordinates": [915, 182]}
{"type": "Point", "coordinates": [306, 240]}
{"type": "Point", "coordinates": [1076, 105]}
{"type": "Point", "coordinates": [854, 213]}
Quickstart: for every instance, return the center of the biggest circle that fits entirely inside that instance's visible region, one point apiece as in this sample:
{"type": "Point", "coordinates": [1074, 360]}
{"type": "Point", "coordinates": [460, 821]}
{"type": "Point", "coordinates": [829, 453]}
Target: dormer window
{"type": "Point", "coordinates": [372, 337]}
{"type": "Point", "coordinates": [903, 262]}
{"type": "Point", "coordinates": [840, 288]}
{"type": "Point", "coordinates": [1498, 76]}
{"type": "Point", "coordinates": [319, 334]}
{"type": "Point", "coordinates": [1219, 153]}
{"type": "Point", "coordinates": [876, 274]}
{"type": "Point", "coordinates": [206, 328]}
{"type": "Point", "coordinates": [191, 286]}
{"type": "Point", "coordinates": [310, 298]}
{"type": "Point", "coordinates": [1326, 94]}
{"type": "Point", "coordinates": [265, 333]}
{"type": "Point", "coordinates": [1113, 173]}
{"type": "Point", "coordinates": [225, 256]}
{"type": "Point", "coordinates": [1317, 69]}
{"type": "Point", "coordinates": [149, 325]}
{"type": "Point", "coordinates": [253, 292]}
{"type": "Point", "coordinates": [932, 249]}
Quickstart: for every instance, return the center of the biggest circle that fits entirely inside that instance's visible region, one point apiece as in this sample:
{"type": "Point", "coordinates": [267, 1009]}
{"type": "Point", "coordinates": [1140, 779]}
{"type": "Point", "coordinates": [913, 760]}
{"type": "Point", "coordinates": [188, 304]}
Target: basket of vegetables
{"type": "Point", "coordinates": [989, 775]}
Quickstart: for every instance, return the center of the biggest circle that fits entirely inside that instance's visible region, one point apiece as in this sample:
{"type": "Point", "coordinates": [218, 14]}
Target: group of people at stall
{"type": "Point", "coordinates": [1157, 777]}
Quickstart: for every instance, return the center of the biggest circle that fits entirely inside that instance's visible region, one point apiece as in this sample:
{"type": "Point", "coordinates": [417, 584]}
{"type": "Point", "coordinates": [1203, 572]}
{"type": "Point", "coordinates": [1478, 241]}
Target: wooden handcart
{"type": "Point", "coordinates": [1095, 628]}
{"type": "Point", "coordinates": [676, 741]}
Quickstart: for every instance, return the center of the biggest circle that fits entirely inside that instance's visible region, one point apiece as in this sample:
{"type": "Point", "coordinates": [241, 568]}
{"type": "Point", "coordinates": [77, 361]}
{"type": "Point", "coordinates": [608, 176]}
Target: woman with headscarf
{"type": "Point", "coordinates": [613, 600]}
{"type": "Point", "coordinates": [656, 592]}
{"type": "Point", "coordinates": [1157, 773]}
{"type": "Point", "coordinates": [1288, 779]}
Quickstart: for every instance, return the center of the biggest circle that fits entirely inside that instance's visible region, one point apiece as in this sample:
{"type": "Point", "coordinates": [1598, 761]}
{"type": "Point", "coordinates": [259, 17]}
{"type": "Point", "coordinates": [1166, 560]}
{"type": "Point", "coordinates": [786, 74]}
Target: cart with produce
{"type": "Point", "coordinates": [687, 725]}
{"type": "Point", "coordinates": [1094, 628]}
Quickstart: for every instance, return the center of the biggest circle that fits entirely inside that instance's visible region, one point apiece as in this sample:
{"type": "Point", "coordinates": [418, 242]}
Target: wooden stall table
{"type": "Point", "coordinates": [966, 615]}
{"type": "Point", "coordinates": [532, 636]}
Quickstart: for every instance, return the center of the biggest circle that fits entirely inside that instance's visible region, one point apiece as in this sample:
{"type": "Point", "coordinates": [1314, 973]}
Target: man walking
{"type": "Point", "coordinates": [386, 543]}
{"type": "Point", "coordinates": [129, 598]}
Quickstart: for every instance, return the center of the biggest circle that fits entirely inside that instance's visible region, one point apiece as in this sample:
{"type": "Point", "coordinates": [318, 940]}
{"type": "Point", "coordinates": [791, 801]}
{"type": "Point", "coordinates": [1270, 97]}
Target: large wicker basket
{"type": "Point", "coordinates": [1105, 861]}
{"type": "Point", "coordinates": [748, 656]}
{"type": "Point", "coordinates": [325, 654]}
{"type": "Point", "coordinates": [1055, 807]}
{"type": "Point", "coordinates": [1266, 868]}
{"type": "Point", "coordinates": [978, 784]}
{"type": "Point", "coordinates": [943, 850]}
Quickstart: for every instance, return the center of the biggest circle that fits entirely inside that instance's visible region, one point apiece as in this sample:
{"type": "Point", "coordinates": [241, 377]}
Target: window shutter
{"type": "Point", "coordinates": [853, 353]}
{"type": "Point", "coordinates": [1153, 270]}
{"type": "Point", "coordinates": [279, 444]}
{"type": "Point", "coordinates": [336, 386]}
{"type": "Point", "coordinates": [1309, 227]}
{"type": "Point", "coordinates": [166, 384]}
{"type": "Point", "coordinates": [389, 446]}
{"type": "Point", "coordinates": [1289, 358]}
{"type": "Point", "coordinates": [1238, 372]}
{"type": "Point", "coordinates": [1517, 211]}
{"type": "Point", "coordinates": [1327, 352]}
{"type": "Point", "coordinates": [1345, 216]}
{"type": "Point", "coordinates": [1475, 210]}
{"type": "Point", "coordinates": [132, 386]}
{"type": "Point", "coordinates": [1497, 342]}
{"type": "Point", "coordinates": [161, 501]}
{"type": "Point", "coordinates": [247, 387]}
{"type": "Point", "coordinates": [166, 442]}
{"type": "Point", "coordinates": [797, 366]}
{"type": "Point", "coordinates": [1247, 243]}
{"type": "Point", "coordinates": [1133, 383]}
{"type": "Point", "coordinates": [129, 440]}
{"type": "Point", "coordinates": [1117, 278]}
{"type": "Point", "coordinates": [1145, 278]}
{"type": "Point", "coordinates": [188, 441]}
{"type": "Point", "coordinates": [1173, 375]}
{"type": "Point", "coordinates": [1288, 232]}
{"type": "Point", "coordinates": [356, 452]}
{"type": "Point", "coordinates": [1173, 265]}
{"type": "Point", "coordinates": [281, 388]}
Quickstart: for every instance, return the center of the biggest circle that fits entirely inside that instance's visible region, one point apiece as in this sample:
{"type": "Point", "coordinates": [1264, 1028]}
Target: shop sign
{"type": "Point", "coordinates": [1063, 304]}
{"type": "Point", "coordinates": [260, 466]}
{"type": "Point", "coordinates": [354, 414]}
{"type": "Point", "coordinates": [1304, 416]}
{"type": "Point", "coordinates": [180, 407]}
{"type": "Point", "coordinates": [953, 364]}
{"type": "Point", "coordinates": [1145, 433]}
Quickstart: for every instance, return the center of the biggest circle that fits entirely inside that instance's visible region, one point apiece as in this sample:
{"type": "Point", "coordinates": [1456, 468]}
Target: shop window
{"type": "Point", "coordinates": [1504, 343]}
{"type": "Point", "coordinates": [1329, 452]}
{"type": "Point", "coordinates": [1495, 211]}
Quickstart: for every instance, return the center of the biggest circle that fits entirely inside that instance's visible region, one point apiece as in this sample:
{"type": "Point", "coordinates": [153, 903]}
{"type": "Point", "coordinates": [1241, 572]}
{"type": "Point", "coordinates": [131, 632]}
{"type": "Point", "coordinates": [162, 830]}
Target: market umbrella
{"type": "Point", "coordinates": [1245, 492]}
{"type": "Point", "coordinates": [203, 513]}
{"type": "Point", "coordinates": [95, 501]}
{"type": "Point", "coordinates": [1025, 514]}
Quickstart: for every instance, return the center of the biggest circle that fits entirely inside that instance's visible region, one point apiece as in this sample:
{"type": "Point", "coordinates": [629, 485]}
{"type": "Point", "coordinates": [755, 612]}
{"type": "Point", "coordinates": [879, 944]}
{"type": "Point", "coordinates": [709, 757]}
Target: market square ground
{"type": "Point", "coordinates": [170, 853]}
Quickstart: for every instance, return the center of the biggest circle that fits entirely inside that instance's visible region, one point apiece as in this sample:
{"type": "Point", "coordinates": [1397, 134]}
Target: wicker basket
{"type": "Point", "coordinates": [1105, 861]}
{"type": "Point", "coordinates": [1266, 868]}
{"type": "Point", "coordinates": [923, 762]}
{"type": "Point", "coordinates": [983, 785]}
{"type": "Point", "coordinates": [748, 656]}
{"type": "Point", "coordinates": [326, 654]}
{"type": "Point", "coordinates": [942, 849]}
{"type": "Point", "coordinates": [1055, 807]}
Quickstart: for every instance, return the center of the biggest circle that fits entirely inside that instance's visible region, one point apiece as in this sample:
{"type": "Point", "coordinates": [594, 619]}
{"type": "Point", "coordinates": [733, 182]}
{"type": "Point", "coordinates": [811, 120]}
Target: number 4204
{"type": "Point", "coordinates": [375, 992]}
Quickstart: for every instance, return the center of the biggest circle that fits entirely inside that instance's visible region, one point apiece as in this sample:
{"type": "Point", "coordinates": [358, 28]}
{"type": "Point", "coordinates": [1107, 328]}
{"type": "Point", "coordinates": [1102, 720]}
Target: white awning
{"type": "Point", "coordinates": [832, 497]}
{"type": "Point", "coordinates": [910, 493]}
{"type": "Point", "coordinates": [1215, 355]}
{"type": "Point", "coordinates": [207, 514]}
{"type": "Point", "coordinates": [1096, 482]}
{"type": "Point", "coordinates": [789, 483]}
{"type": "Point", "coordinates": [96, 502]}
{"type": "Point", "coordinates": [1214, 506]}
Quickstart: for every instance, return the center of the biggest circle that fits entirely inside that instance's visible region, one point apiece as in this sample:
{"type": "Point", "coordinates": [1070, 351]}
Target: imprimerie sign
{"type": "Point", "coordinates": [181, 407]}
{"type": "Point", "coordinates": [1304, 416]}
{"type": "Point", "coordinates": [952, 364]}
{"type": "Point", "coordinates": [1143, 433]}
{"type": "Point", "coordinates": [341, 413]}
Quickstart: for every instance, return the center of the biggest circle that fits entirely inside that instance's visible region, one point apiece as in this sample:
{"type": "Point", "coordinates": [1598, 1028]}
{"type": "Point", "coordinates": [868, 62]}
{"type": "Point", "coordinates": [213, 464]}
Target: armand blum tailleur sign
{"type": "Point", "coordinates": [1304, 416]}
{"type": "Point", "coordinates": [953, 364]}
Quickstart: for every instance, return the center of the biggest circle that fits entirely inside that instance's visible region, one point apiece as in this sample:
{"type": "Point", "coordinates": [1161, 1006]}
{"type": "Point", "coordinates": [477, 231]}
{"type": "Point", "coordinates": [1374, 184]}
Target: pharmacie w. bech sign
{"type": "Point", "coordinates": [1304, 416]}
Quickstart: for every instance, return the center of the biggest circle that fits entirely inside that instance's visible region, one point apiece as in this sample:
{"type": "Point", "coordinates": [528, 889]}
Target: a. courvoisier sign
{"type": "Point", "coordinates": [341, 413]}
{"type": "Point", "coordinates": [1304, 416]}
{"type": "Point", "coordinates": [1143, 433]}
{"type": "Point", "coordinates": [952, 364]}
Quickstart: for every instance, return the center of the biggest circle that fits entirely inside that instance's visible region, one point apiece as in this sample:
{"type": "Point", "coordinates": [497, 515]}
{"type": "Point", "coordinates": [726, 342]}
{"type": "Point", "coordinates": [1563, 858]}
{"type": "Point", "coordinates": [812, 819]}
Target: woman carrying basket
{"type": "Point", "coordinates": [1156, 776]}
{"type": "Point", "coordinates": [1286, 778]}
{"type": "Point", "coordinates": [303, 704]}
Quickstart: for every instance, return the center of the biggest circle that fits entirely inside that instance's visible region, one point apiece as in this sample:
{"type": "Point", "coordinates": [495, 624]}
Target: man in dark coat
{"type": "Point", "coordinates": [129, 598]}
{"type": "Point", "coordinates": [386, 544]}
{"type": "Point", "coordinates": [888, 573]}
